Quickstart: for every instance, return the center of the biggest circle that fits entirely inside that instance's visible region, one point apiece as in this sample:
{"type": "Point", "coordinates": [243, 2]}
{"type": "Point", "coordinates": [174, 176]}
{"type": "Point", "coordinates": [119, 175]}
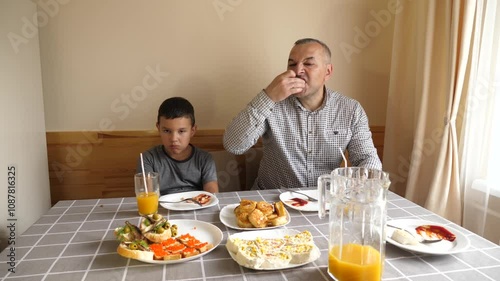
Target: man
{"type": "Point", "coordinates": [304, 126]}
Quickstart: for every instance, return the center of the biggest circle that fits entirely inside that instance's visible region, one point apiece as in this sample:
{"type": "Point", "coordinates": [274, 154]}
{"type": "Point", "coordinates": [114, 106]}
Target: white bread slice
{"type": "Point", "coordinates": [305, 237]}
{"type": "Point", "coordinates": [301, 253]}
{"type": "Point", "coordinates": [233, 243]}
{"type": "Point", "coordinates": [124, 251]}
{"type": "Point", "coordinates": [249, 256]}
{"type": "Point", "coordinates": [277, 259]}
{"type": "Point", "coordinates": [270, 253]}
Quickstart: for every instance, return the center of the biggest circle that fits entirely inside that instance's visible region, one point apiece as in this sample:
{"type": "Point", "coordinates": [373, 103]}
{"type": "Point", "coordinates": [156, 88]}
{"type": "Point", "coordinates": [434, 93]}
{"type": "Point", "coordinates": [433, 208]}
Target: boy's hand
{"type": "Point", "coordinates": [284, 85]}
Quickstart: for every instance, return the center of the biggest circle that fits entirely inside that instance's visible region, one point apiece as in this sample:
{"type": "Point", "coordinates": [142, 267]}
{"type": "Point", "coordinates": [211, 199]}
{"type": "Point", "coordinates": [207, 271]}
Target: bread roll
{"type": "Point", "coordinates": [257, 218]}
{"type": "Point", "coordinates": [242, 220]}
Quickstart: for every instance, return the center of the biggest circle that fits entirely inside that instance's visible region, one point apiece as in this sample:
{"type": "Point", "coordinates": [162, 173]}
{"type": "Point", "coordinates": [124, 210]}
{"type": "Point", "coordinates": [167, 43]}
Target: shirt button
{"type": "Point", "coordinates": [310, 151]}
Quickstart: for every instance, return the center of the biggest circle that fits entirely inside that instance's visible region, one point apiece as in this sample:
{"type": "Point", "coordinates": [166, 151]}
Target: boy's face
{"type": "Point", "coordinates": [175, 136]}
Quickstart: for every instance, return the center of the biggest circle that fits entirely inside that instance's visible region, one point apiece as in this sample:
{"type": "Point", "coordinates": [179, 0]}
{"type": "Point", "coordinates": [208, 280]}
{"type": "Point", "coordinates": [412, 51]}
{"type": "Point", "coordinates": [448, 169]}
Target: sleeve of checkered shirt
{"type": "Point", "coordinates": [362, 152]}
{"type": "Point", "coordinates": [249, 125]}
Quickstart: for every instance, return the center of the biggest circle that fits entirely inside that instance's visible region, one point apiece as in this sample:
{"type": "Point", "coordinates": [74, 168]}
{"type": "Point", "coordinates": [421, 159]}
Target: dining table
{"type": "Point", "coordinates": [75, 240]}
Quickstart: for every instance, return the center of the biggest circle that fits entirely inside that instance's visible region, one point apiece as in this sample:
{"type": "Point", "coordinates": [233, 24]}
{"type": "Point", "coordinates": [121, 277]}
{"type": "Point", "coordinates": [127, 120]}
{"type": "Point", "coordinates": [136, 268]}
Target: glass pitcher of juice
{"type": "Point", "coordinates": [357, 199]}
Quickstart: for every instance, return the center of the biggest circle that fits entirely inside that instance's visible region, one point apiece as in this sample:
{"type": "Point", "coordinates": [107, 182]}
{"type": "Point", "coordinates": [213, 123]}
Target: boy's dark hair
{"type": "Point", "coordinates": [176, 107]}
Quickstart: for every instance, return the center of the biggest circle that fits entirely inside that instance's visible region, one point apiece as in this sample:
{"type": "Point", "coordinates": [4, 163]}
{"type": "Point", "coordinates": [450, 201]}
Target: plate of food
{"type": "Point", "coordinates": [191, 200]}
{"type": "Point", "coordinates": [161, 241]}
{"type": "Point", "coordinates": [299, 201]}
{"type": "Point", "coordinates": [272, 249]}
{"type": "Point", "coordinates": [254, 215]}
{"type": "Point", "coordinates": [426, 237]}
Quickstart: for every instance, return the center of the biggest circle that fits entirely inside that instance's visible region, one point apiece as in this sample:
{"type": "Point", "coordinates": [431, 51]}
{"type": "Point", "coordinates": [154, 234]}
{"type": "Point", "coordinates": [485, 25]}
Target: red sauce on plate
{"type": "Point", "coordinates": [435, 231]}
{"type": "Point", "coordinates": [298, 202]}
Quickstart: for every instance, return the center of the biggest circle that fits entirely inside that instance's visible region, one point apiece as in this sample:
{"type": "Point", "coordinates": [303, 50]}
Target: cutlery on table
{"type": "Point", "coordinates": [312, 199]}
{"type": "Point", "coordinates": [187, 200]}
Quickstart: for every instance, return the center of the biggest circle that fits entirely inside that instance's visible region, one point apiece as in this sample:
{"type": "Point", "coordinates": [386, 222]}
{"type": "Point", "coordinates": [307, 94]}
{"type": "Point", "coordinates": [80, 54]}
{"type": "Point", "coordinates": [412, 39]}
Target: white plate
{"type": "Point", "coordinates": [439, 248]}
{"type": "Point", "coordinates": [186, 206]}
{"type": "Point", "coordinates": [274, 233]}
{"type": "Point", "coordinates": [228, 218]}
{"type": "Point", "coordinates": [203, 231]}
{"type": "Point", "coordinates": [286, 198]}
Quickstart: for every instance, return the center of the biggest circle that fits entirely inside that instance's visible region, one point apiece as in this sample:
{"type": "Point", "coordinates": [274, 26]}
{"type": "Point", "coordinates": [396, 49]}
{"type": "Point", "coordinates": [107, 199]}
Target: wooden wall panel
{"type": "Point", "coordinates": [85, 165]}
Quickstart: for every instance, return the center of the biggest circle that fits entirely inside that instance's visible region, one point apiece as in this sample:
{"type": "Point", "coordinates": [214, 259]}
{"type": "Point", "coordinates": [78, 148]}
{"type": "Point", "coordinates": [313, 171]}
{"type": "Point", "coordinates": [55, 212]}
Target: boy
{"type": "Point", "coordinates": [182, 166]}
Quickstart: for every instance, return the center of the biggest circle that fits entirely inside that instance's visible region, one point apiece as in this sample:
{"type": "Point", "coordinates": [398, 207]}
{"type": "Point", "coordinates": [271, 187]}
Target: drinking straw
{"type": "Point", "coordinates": [144, 175]}
{"type": "Point", "coordinates": [343, 157]}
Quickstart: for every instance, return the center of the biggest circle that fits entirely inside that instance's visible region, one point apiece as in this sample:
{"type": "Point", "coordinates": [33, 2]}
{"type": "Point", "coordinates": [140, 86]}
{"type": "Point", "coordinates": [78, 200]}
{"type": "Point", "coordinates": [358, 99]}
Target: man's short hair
{"type": "Point", "coordinates": [176, 107]}
{"type": "Point", "coordinates": [312, 40]}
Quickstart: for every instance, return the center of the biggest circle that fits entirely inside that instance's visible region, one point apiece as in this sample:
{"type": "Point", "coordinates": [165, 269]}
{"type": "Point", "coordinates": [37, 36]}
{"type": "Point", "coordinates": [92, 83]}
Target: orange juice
{"type": "Point", "coordinates": [147, 203]}
{"type": "Point", "coordinates": [358, 263]}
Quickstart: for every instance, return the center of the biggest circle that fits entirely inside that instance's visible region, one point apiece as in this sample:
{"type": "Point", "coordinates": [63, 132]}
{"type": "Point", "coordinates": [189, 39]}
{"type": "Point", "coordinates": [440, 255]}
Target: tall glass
{"type": "Point", "coordinates": [357, 199]}
{"type": "Point", "coordinates": [147, 192]}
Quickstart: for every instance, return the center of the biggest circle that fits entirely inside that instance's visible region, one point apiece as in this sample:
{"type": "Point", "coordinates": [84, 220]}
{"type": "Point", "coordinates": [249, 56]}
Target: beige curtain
{"type": "Point", "coordinates": [479, 148]}
{"type": "Point", "coordinates": [428, 75]}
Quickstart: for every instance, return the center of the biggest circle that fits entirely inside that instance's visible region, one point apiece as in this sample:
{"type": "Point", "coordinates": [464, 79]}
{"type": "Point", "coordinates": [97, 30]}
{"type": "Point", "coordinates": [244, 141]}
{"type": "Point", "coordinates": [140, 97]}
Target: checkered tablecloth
{"type": "Point", "coordinates": [74, 241]}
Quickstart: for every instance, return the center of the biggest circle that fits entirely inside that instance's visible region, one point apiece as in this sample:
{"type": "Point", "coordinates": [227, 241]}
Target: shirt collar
{"type": "Point", "coordinates": [323, 105]}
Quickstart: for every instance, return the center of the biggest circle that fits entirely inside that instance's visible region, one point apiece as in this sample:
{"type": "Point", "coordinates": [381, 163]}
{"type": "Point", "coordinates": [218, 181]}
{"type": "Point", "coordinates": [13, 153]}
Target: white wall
{"type": "Point", "coordinates": [22, 141]}
{"type": "Point", "coordinates": [217, 53]}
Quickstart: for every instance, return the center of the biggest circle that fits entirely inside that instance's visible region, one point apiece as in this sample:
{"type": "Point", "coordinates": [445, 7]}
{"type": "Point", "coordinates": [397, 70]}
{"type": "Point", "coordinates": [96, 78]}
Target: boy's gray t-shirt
{"type": "Point", "coordinates": [179, 176]}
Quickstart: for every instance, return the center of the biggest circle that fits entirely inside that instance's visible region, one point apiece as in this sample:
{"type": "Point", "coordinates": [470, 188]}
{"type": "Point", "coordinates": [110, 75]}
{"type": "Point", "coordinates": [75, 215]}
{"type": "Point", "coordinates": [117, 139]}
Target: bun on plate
{"type": "Point", "coordinates": [253, 214]}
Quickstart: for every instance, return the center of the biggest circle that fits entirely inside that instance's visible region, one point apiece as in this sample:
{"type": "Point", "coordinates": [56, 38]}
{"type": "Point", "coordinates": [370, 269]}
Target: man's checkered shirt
{"type": "Point", "coordinates": [300, 145]}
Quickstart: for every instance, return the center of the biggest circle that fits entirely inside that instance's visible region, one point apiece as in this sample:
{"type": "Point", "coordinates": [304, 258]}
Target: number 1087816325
{"type": "Point", "coordinates": [11, 191]}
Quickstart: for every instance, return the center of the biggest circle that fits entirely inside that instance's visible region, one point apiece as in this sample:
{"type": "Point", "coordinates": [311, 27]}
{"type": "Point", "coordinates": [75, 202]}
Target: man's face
{"type": "Point", "coordinates": [310, 63]}
{"type": "Point", "coordinates": [175, 136]}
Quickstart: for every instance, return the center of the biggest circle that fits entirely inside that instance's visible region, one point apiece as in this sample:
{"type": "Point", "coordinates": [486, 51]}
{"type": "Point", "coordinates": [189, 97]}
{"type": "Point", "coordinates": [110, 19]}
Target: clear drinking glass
{"type": "Point", "coordinates": [147, 192]}
{"type": "Point", "coordinates": [357, 199]}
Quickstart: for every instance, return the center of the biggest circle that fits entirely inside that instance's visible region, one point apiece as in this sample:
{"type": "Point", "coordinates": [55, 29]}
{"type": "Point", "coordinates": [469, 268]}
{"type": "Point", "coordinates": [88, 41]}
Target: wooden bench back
{"type": "Point", "coordinates": [87, 165]}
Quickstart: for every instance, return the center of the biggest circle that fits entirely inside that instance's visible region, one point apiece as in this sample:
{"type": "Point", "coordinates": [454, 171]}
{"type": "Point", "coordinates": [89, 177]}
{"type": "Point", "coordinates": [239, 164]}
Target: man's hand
{"type": "Point", "coordinates": [284, 85]}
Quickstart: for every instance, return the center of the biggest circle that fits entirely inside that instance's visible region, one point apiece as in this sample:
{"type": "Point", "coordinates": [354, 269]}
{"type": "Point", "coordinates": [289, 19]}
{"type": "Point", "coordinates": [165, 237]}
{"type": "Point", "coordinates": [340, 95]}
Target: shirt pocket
{"type": "Point", "coordinates": [337, 137]}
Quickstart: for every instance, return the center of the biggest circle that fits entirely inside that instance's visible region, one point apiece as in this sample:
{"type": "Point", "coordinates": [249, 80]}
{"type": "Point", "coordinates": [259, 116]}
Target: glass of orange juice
{"type": "Point", "coordinates": [147, 192]}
